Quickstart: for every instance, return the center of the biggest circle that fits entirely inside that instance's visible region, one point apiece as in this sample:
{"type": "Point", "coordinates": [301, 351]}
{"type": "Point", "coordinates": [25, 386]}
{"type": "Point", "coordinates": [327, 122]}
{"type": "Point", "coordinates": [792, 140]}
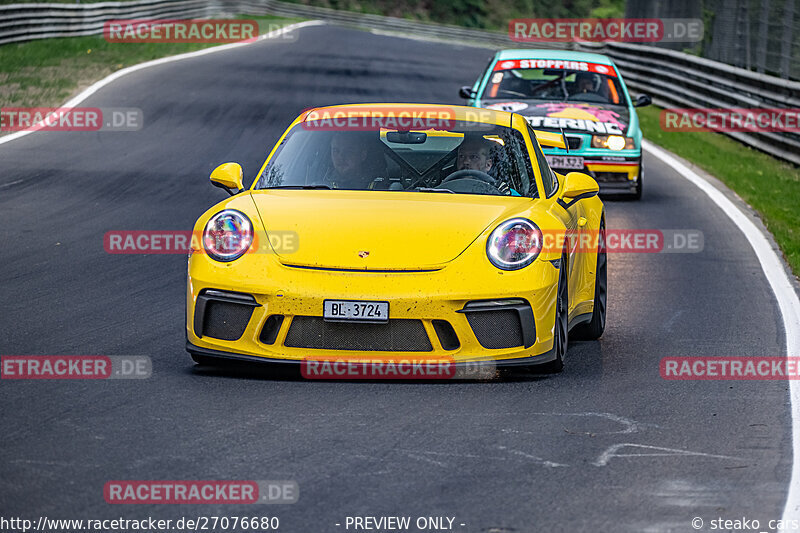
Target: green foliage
{"type": "Point", "coordinates": [46, 72]}
{"type": "Point", "coordinates": [770, 186]}
{"type": "Point", "coordinates": [485, 14]}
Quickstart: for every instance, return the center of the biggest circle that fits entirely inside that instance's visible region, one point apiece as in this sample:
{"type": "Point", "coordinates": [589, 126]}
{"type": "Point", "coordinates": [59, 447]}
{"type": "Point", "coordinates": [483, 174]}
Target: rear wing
{"type": "Point", "coordinates": [548, 138]}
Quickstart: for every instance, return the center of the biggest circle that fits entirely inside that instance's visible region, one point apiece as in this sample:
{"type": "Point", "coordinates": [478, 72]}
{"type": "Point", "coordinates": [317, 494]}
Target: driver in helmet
{"type": "Point", "coordinates": [584, 83]}
{"type": "Point", "coordinates": [476, 153]}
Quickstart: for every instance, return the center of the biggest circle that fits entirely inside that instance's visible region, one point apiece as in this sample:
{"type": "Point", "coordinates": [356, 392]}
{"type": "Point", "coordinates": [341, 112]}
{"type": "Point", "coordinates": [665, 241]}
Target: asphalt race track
{"type": "Point", "coordinates": [607, 445]}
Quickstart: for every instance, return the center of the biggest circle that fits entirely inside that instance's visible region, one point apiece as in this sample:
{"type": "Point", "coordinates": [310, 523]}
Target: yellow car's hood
{"type": "Point", "coordinates": [379, 230]}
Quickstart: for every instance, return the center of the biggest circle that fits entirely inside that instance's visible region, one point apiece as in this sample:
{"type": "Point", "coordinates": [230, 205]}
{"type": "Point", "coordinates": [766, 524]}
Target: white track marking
{"type": "Point", "coordinates": [656, 451]}
{"type": "Point", "coordinates": [784, 291]}
{"type": "Point", "coordinates": [630, 426]}
{"type": "Point", "coordinates": [169, 59]}
{"type": "Point", "coordinates": [534, 458]}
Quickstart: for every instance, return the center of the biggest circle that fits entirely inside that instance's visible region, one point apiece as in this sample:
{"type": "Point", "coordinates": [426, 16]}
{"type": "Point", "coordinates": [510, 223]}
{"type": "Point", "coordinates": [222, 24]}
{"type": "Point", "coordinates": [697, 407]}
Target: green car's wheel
{"type": "Point", "coordinates": [637, 194]}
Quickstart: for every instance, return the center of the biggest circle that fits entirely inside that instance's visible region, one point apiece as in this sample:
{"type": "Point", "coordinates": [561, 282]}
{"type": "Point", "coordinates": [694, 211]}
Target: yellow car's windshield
{"type": "Point", "coordinates": [464, 159]}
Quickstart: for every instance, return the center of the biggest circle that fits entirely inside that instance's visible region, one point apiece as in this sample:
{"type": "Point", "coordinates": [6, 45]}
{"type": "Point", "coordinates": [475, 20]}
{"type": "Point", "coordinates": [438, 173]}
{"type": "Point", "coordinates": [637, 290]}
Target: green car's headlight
{"type": "Point", "coordinates": [227, 235]}
{"type": "Point", "coordinates": [613, 142]}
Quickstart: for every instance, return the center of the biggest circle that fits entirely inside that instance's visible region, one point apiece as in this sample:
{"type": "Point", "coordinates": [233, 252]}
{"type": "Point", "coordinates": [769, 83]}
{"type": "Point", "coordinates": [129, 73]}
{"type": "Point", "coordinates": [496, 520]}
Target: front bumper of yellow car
{"type": "Point", "coordinates": [464, 311]}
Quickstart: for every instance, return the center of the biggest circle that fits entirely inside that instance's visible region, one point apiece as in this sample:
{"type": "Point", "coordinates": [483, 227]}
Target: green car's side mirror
{"type": "Point", "coordinates": [466, 92]}
{"type": "Point", "coordinates": [643, 100]}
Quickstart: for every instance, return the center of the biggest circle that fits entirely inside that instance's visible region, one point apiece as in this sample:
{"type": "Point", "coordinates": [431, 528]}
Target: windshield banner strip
{"type": "Point", "coordinates": [583, 66]}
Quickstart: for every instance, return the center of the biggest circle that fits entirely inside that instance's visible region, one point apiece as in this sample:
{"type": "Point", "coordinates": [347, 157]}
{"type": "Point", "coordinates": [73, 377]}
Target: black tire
{"type": "Point", "coordinates": [561, 332]}
{"type": "Point", "coordinates": [637, 193]}
{"type": "Point", "coordinates": [593, 329]}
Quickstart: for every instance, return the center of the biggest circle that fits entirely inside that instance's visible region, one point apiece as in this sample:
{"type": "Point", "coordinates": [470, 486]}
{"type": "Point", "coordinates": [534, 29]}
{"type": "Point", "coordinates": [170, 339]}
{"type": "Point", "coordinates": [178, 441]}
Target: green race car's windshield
{"type": "Point", "coordinates": [566, 85]}
{"type": "Point", "coordinates": [467, 158]}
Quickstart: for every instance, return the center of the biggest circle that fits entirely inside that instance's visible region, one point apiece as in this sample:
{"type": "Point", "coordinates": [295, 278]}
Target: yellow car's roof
{"type": "Point", "coordinates": [448, 112]}
{"type": "Point", "coordinates": [453, 112]}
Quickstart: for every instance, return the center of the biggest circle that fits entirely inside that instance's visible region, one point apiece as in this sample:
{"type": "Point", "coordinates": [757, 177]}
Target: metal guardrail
{"type": "Point", "coordinates": [25, 22]}
{"type": "Point", "coordinates": [672, 78]}
{"type": "Point", "coordinates": [393, 24]}
{"type": "Point", "coordinates": [676, 79]}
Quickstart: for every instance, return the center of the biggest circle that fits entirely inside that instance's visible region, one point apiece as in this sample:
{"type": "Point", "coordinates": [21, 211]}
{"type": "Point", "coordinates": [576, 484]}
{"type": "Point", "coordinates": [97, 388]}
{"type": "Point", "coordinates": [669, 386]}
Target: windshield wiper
{"type": "Point", "coordinates": [316, 186]}
{"type": "Point", "coordinates": [432, 189]}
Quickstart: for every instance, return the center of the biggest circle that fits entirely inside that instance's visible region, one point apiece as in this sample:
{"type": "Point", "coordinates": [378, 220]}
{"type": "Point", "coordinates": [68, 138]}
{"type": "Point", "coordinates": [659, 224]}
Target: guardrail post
{"type": "Point", "coordinates": [786, 42]}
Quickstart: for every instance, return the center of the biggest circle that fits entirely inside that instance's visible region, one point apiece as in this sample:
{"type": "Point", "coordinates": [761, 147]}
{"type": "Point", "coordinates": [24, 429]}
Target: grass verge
{"type": "Point", "coordinates": [770, 186]}
{"type": "Point", "coordinates": [47, 72]}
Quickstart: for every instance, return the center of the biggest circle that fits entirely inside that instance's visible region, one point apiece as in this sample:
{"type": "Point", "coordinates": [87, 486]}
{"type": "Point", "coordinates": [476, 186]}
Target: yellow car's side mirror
{"type": "Point", "coordinates": [228, 176]}
{"type": "Point", "coordinates": [578, 186]}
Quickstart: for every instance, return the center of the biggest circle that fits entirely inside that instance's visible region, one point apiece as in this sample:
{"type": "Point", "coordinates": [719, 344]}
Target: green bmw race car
{"type": "Point", "coordinates": [580, 94]}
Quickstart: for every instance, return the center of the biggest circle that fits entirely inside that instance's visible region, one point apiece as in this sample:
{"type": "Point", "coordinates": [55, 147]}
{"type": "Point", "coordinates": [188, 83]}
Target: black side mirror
{"type": "Point", "coordinates": [466, 92]}
{"type": "Point", "coordinates": [643, 100]}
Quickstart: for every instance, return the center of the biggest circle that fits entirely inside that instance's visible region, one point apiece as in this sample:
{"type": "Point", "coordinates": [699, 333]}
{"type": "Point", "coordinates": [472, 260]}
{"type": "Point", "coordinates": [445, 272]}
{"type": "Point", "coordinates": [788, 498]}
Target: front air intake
{"type": "Point", "coordinates": [447, 335]}
{"type": "Point", "coordinates": [271, 328]}
{"type": "Point", "coordinates": [398, 335]}
{"type": "Point", "coordinates": [223, 315]}
{"type": "Point", "coordinates": [504, 323]}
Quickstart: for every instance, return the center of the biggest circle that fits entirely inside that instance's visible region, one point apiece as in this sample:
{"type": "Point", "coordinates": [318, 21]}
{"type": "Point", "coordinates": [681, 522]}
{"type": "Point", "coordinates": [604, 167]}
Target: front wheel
{"type": "Point", "coordinates": [593, 329]}
{"type": "Point", "coordinates": [560, 329]}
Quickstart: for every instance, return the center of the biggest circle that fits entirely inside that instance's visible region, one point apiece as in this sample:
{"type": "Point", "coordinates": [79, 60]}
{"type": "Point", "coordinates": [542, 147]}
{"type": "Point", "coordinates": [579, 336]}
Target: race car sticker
{"type": "Point", "coordinates": [578, 117]}
{"type": "Point", "coordinates": [555, 64]}
{"type": "Point", "coordinates": [589, 126]}
{"type": "Point", "coordinates": [511, 107]}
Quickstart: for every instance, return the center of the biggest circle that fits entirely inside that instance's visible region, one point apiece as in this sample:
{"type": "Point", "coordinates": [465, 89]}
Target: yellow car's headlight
{"type": "Point", "coordinates": [227, 235]}
{"type": "Point", "coordinates": [514, 244]}
{"type": "Point", "coordinates": [613, 142]}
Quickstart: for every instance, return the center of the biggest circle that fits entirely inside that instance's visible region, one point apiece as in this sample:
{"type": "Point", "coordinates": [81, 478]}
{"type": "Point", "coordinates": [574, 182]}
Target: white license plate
{"type": "Point", "coordinates": [565, 161]}
{"type": "Point", "coordinates": [355, 311]}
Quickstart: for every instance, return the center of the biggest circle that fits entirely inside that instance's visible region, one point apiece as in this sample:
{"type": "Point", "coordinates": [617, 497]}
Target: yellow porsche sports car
{"type": "Point", "coordinates": [399, 231]}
